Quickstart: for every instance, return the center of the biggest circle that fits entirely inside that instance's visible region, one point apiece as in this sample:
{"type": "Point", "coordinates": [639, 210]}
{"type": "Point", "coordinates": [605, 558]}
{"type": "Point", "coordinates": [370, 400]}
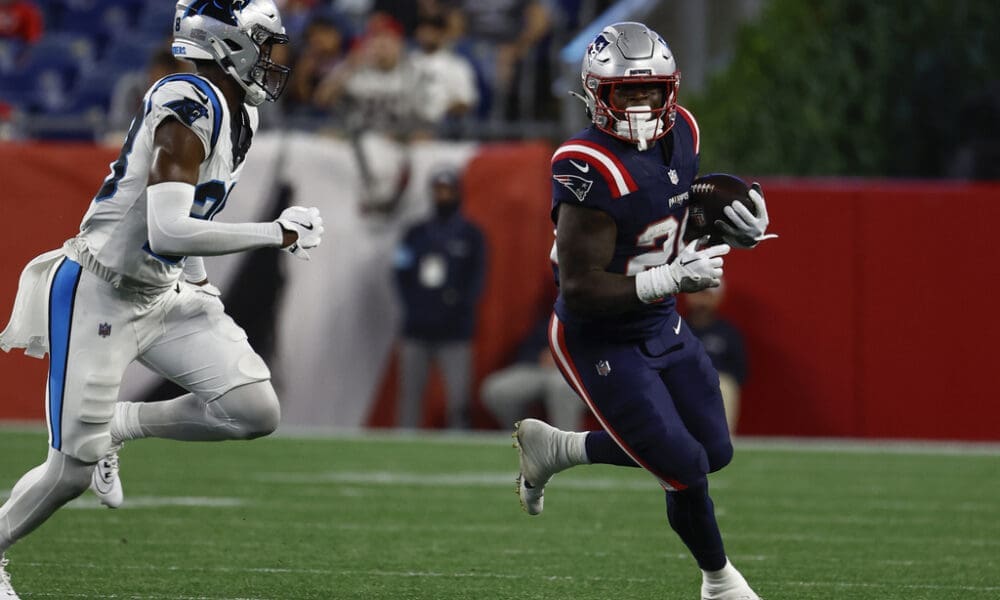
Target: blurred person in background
{"type": "Point", "coordinates": [373, 86]}
{"type": "Point", "coordinates": [977, 155]}
{"type": "Point", "coordinates": [505, 38]}
{"type": "Point", "coordinates": [620, 191]}
{"type": "Point", "coordinates": [323, 48]}
{"type": "Point", "coordinates": [296, 15]}
{"type": "Point", "coordinates": [132, 285]}
{"type": "Point", "coordinates": [126, 98]}
{"type": "Point", "coordinates": [21, 23]}
{"type": "Point", "coordinates": [440, 267]}
{"type": "Point", "coordinates": [446, 81]}
{"type": "Point", "coordinates": [509, 393]}
{"type": "Point", "coordinates": [724, 344]}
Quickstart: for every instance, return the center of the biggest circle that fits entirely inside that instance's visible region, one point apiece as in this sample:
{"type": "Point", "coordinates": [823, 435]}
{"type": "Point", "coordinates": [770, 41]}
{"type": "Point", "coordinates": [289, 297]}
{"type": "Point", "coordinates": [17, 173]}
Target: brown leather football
{"type": "Point", "coordinates": [709, 195]}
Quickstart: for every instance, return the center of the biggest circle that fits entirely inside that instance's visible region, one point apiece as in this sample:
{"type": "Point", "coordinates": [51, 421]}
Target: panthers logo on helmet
{"type": "Point", "coordinates": [217, 9]}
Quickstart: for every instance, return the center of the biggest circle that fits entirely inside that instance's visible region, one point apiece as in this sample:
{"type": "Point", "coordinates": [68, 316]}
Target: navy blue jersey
{"type": "Point", "coordinates": [646, 193]}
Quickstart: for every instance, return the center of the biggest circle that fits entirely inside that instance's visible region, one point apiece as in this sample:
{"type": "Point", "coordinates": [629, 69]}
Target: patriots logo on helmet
{"type": "Point", "coordinates": [576, 184]}
{"type": "Point", "coordinates": [597, 45]}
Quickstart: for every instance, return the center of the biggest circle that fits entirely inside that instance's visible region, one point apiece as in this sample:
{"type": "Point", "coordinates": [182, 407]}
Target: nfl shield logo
{"type": "Point", "coordinates": [674, 178]}
{"type": "Point", "coordinates": [104, 329]}
{"type": "Point", "coordinates": [603, 368]}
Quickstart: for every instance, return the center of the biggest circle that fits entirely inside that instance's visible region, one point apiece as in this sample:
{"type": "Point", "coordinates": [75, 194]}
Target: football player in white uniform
{"type": "Point", "coordinates": [132, 285]}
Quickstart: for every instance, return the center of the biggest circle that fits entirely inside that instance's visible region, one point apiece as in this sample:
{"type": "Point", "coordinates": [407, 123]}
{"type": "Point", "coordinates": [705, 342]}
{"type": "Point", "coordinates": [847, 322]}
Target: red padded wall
{"type": "Point", "coordinates": [44, 191]}
{"type": "Point", "coordinates": [873, 315]}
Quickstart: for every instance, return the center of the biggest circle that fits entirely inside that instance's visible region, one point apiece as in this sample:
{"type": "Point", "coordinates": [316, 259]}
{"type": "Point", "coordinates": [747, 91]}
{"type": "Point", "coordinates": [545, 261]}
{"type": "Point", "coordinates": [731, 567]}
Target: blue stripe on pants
{"type": "Point", "coordinates": [62, 297]}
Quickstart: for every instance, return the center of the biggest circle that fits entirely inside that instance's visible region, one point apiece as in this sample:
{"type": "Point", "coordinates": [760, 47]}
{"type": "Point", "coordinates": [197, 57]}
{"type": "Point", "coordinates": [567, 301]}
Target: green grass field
{"type": "Point", "coordinates": [435, 517]}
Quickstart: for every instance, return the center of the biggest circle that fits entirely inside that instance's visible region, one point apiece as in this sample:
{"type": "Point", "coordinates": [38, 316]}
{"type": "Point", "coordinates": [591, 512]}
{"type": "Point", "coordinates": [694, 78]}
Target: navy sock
{"type": "Point", "coordinates": [692, 516]}
{"type": "Point", "coordinates": [603, 450]}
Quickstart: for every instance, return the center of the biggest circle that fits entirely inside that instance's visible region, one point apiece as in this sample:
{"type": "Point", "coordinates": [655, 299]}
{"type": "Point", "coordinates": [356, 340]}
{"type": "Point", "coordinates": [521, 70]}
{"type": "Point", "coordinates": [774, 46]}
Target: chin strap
{"type": "Point", "coordinates": [638, 127]}
{"type": "Point", "coordinates": [590, 112]}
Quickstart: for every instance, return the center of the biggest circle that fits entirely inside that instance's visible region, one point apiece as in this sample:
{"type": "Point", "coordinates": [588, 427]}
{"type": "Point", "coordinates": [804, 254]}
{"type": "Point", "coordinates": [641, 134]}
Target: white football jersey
{"type": "Point", "coordinates": [114, 228]}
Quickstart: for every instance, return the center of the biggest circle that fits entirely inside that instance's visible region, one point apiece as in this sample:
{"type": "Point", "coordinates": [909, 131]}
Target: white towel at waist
{"type": "Point", "coordinates": [29, 321]}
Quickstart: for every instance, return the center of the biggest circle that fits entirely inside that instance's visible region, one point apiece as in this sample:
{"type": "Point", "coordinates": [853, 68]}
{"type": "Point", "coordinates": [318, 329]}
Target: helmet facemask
{"type": "Point", "coordinates": [640, 120]}
{"type": "Point", "coordinates": [267, 75]}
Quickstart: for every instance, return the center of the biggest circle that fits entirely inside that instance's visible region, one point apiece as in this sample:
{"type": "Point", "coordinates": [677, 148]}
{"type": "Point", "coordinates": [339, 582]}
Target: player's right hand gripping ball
{"type": "Point", "coordinates": [307, 224]}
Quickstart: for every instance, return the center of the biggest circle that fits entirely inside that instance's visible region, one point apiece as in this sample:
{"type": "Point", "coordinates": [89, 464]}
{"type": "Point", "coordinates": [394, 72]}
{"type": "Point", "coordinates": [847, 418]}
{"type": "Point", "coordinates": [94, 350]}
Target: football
{"type": "Point", "coordinates": [709, 195]}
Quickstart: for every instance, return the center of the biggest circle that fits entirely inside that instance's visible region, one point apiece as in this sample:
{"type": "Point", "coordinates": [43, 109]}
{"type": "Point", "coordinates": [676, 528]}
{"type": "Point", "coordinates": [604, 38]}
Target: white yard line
{"type": "Point", "coordinates": [134, 502]}
{"type": "Point", "coordinates": [104, 596]}
{"type": "Point", "coordinates": [485, 575]}
{"type": "Point", "coordinates": [460, 479]}
{"type": "Point", "coordinates": [502, 438]}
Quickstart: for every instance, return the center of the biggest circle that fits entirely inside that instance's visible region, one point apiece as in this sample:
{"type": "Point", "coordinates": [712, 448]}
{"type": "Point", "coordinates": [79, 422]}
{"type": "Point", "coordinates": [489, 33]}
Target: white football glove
{"type": "Point", "coordinates": [209, 295]}
{"type": "Point", "coordinates": [693, 270]}
{"type": "Point", "coordinates": [746, 230]}
{"type": "Point", "coordinates": [307, 223]}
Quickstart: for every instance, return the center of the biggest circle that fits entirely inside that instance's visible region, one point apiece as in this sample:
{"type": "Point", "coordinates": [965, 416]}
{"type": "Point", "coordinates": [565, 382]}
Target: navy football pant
{"type": "Point", "coordinates": [658, 401]}
{"type": "Point", "coordinates": [660, 407]}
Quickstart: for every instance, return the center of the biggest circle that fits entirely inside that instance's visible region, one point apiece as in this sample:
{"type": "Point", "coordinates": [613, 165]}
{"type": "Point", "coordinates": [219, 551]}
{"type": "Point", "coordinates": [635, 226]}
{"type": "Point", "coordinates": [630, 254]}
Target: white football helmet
{"type": "Point", "coordinates": [238, 35]}
{"type": "Point", "coordinates": [624, 54]}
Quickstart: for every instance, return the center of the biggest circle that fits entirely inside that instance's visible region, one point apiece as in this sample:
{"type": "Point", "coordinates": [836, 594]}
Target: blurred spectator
{"type": "Point", "coordinates": [21, 24]}
{"type": "Point", "coordinates": [131, 87]}
{"type": "Point", "coordinates": [373, 84]}
{"type": "Point", "coordinates": [320, 51]}
{"type": "Point", "coordinates": [724, 344]}
{"type": "Point", "coordinates": [439, 268]}
{"type": "Point", "coordinates": [978, 153]}
{"type": "Point", "coordinates": [533, 378]}
{"type": "Point", "coordinates": [21, 20]}
{"type": "Point", "coordinates": [296, 16]}
{"type": "Point", "coordinates": [446, 81]}
{"type": "Point", "coordinates": [505, 37]}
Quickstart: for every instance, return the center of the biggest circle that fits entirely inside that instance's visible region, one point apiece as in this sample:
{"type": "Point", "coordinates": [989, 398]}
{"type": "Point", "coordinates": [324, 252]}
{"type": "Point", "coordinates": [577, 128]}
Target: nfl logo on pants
{"type": "Point", "coordinates": [104, 330]}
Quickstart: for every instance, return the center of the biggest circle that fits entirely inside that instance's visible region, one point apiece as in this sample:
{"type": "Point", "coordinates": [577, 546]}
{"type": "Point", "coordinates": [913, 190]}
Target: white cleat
{"type": "Point", "coordinates": [744, 594]}
{"type": "Point", "coordinates": [105, 482]}
{"type": "Point", "coordinates": [732, 587]}
{"type": "Point", "coordinates": [543, 451]}
{"type": "Point", "coordinates": [6, 589]}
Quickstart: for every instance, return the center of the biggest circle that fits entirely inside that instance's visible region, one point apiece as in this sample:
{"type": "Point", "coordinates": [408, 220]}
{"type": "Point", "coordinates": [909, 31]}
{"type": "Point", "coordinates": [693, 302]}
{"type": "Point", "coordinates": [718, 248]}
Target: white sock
{"type": "Point", "coordinates": [724, 576]}
{"type": "Point", "coordinates": [576, 448]}
{"type": "Point", "coordinates": [125, 423]}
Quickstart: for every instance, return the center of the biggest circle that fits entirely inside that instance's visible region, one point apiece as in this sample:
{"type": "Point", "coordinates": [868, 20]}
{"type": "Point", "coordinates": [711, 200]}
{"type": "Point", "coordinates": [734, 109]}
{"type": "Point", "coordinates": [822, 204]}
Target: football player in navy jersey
{"type": "Point", "coordinates": [132, 285]}
{"type": "Point", "coordinates": [619, 202]}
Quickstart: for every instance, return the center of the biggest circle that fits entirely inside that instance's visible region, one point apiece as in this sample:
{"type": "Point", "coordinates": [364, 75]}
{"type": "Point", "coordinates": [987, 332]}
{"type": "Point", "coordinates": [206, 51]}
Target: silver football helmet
{"type": "Point", "coordinates": [626, 55]}
{"type": "Point", "coordinates": [238, 35]}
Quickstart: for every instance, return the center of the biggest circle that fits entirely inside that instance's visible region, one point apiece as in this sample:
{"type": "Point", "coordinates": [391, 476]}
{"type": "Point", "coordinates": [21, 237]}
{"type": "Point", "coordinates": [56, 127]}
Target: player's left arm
{"type": "Point", "coordinates": [746, 229]}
